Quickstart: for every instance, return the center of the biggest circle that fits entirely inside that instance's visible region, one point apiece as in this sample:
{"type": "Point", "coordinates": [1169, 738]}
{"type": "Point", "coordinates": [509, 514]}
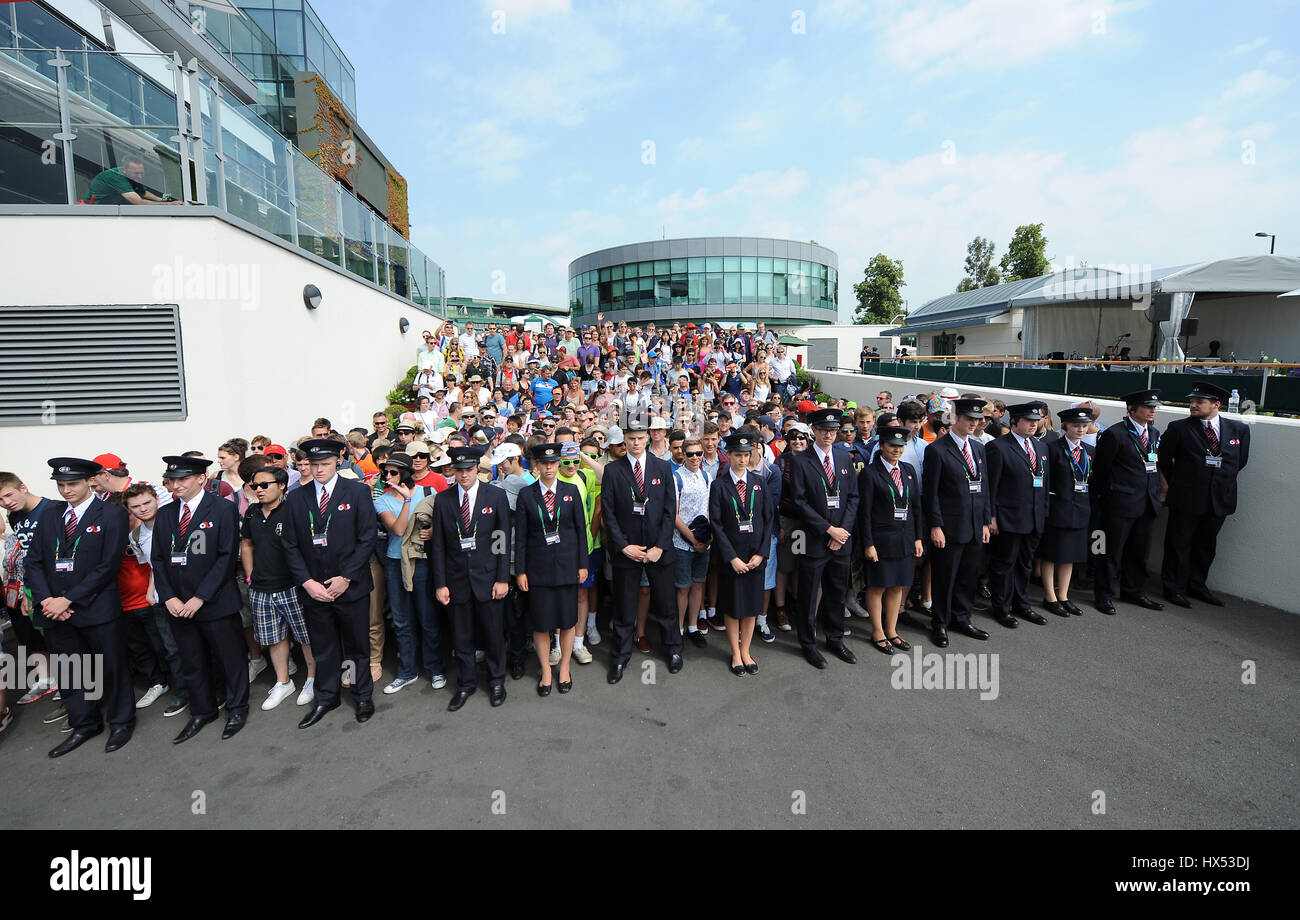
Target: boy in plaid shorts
{"type": "Point", "coordinates": [277, 608]}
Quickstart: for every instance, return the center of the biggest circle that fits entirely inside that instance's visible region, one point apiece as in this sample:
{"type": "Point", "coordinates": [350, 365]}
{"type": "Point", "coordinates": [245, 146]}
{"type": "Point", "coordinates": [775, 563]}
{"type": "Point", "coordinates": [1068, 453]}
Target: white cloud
{"type": "Point", "coordinates": [487, 147]}
{"type": "Point", "coordinates": [1252, 84]}
{"type": "Point", "coordinates": [1245, 47]}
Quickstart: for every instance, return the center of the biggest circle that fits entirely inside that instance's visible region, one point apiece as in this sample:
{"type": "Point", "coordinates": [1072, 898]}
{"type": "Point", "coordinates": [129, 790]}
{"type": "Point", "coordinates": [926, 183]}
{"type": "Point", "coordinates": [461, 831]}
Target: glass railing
{"type": "Point", "coordinates": [125, 127]}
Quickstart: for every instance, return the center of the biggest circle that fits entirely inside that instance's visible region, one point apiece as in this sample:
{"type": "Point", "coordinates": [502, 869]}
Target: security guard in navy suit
{"type": "Point", "coordinates": [469, 570]}
{"type": "Point", "coordinates": [1199, 458]}
{"type": "Point", "coordinates": [956, 505]}
{"type": "Point", "coordinates": [72, 568]}
{"type": "Point", "coordinates": [639, 507]}
{"type": "Point", "coordinates": [195, 557]}
{"type": "Point", "coordinates": [328, 539]}
{"type": "Point", "coordinates": [1018, 480]}
{"type": "Point", "coordinates": [1069, 510]}
{"type": "Point", "coordinates": [824, 489]}
{"type": "Point", "coordinates": [1126, 483]}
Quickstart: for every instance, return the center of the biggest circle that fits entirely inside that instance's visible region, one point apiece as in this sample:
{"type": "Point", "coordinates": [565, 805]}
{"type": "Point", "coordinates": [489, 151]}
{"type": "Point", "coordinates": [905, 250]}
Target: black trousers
{"type": "Point", "coordinates": [953, 573]}
{"type": "Point", "coordinates": [483, 621]}
{"type": "Point", "coordinates": [1191, 542]}
{"type": "Point", "coordinates": [516, 617]}
{"type": "Point", "coordinates": [1011, 561]}
{"type": "Point", "coordinates": [823, 585]}
{"type": "Point", "coordinates": [27, 635]}
{"type": "Point", "coordinates": [340, 631]}
{"type": "Point", "coordinates": [144, 645]}
{"type": "Point", "coordinates": [113, 694]}
{"type": "Point", "coordinates": [1125, 563]}
{"type": "Point", "coordinates": [663, 608]}
{"type": "Point", "coordinates": [213, 651]}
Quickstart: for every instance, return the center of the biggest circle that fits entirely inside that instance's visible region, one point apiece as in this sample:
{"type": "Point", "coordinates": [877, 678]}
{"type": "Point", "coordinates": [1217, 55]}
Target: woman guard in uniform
{"type": "Point", "coordinates": [1065, 540]}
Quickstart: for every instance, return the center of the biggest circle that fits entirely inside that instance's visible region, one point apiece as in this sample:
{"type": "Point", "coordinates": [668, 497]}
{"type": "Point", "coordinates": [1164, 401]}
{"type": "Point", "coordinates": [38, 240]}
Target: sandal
{"type": "Point", "coordinates": [901, 644]}
{"type": "Point", "coordinates": [884, 645]}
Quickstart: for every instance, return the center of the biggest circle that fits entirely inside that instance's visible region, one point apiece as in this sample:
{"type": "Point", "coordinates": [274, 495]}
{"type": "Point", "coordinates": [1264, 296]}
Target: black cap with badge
{"type": "Point", "coordinates": [1029, 410]}
{"type": "Point", "coordinates": [70, 469]}
{"type": "Point", "coordinates": [464, 458]}
{"type": "Point", "coordinates": [548, 453]}
{"type": "Point", "coordinates": [1077, 414]}
{"type": "Point", "coordinates": [1146, 398]}
{"type": "Point", "coordinates": [321, 449]}
{"type": "Point", "coordinates": [180, 467]}
{"type": "Point", "coordinates": [826, 418]}
{"type": "Point", "coordinates": [894, 436]}
{"type": "Point", "coordinates": [742, 442]}
{"type": "Point", "coordinates": [970, 408]}
{"type": "Point", "coordinates": [1208, 391]}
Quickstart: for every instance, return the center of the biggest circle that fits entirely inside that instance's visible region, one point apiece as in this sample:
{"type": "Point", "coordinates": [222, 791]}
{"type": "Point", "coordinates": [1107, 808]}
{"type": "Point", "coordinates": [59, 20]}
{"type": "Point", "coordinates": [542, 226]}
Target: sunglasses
{"type": "Point", "coordinates": [590, 456]}
{"type": "Point", "coordinates": [569, 463]}
{"type": "Point", "coordinates": [259, 486]}
{"type": "Point", "coordinates": [694, 453]}
{"type": "Point", "coordinates": [421, 456]}
{"type": "Point", "coordinates": [548, 424]}
{"type": "Point", "coordinates": [392, 472]}
{"type": "Point", "coordinates": [796, 437]}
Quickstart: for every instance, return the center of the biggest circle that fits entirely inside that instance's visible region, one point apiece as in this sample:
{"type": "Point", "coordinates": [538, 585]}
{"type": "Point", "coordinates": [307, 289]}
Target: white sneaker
{"type": "Point", "coordinates": [593, 635]}
{"type": "Point", "coordinates": [581, 655]}
{"type": "Point", "coordinates": [255, 667]}
{"type": "Point", "coordinates": [151, 696]}
{"type": "Point", "coordinates": [438, 682]}
{"type": "Point", "coordinates": [555, 655]}
{"type": "Point", "coordinates": [278, 694]}
{"type": "Point", "coordinates": [6, 718]}
{"type": "Point", "coordinates": [399, 683]}
{"type": "Point", "coordinates": [308, 691]}
{"type": "Point", "coordinates": [293, 667]}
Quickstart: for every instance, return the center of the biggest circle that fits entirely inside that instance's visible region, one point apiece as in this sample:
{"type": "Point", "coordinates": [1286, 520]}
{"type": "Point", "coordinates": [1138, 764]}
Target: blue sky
{"type": "Point", "coordinates": [533, 131]}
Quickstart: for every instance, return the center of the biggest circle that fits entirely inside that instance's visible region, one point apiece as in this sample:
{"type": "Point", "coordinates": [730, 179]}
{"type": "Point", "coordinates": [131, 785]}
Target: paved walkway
{"type": "Point", "coordinates": [1147, 709]}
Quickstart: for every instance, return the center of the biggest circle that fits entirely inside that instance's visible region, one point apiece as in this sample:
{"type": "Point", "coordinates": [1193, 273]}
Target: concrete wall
{"type": "Point", "coordinates": [1256, 557]}
{"type": "Point", "coordinates": [261, 363]}
{"type": "Point", "coordinates": [849, 340]}
{"type": "Point", "coordinates": [990, 339]}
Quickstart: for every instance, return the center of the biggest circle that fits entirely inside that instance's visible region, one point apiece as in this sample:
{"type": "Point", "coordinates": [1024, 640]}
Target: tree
{"type": "Point", "coordinates": [1026, 255]}
{"type": "Point", "coordinates": [980, 271]}
{"type": "Point", "coordinates": [878, 298]}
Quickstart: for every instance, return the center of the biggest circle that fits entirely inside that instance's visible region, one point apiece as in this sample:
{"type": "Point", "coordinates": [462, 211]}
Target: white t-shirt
{"type": "Point", "coordinates": [467, 344]}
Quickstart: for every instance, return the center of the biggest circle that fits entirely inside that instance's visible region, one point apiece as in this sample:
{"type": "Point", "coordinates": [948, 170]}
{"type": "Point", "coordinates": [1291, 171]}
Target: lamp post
{"type": "Point", "coordinates": [1272, 240]}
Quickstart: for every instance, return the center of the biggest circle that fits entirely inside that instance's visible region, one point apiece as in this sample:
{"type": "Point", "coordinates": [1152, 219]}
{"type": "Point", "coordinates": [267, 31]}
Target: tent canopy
{"type": "Point", "coordinates": [790, 340]}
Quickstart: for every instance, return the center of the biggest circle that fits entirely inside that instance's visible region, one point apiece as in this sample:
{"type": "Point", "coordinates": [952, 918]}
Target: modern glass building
{"type": "Point", "coordinates": [708, 279]}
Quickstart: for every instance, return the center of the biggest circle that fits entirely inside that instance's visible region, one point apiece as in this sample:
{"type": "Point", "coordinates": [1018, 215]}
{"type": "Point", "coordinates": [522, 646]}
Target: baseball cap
{"type": "Point", "coordinates": [273, 450]}
{"type": "Point", "coordinates": [505, 451]}
{"type": "Point", "coordinates": [110, 462]}
{"type": "Point", "coordinates": [615, 436]}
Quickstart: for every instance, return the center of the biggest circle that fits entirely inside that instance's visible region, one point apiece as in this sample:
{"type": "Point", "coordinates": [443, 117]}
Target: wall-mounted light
{"type": "Point", "coordinates": [311, 296]}
{"type": "Point", "coordinates": [961, 340]}
{"type": "Point", "coordinates": [403, 324]}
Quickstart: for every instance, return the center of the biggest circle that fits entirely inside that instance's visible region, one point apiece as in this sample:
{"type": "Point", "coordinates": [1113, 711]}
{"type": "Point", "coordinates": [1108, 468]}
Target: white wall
{"type": "Point", "coordinates": [269, 366]}
{"type": "Point", "coordinates": [850, 339]}
{"type": "Point", "coordinates": [1247, 326]}
{"type": "Point", "coordinates": [1256, 550]}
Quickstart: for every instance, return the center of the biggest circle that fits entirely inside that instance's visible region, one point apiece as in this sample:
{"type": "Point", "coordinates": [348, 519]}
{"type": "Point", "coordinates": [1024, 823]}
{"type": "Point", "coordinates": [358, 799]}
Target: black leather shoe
{"type": "Point", "coordinates": [1005, 619]}
{"type": "Point", "coordinates": [815, 658]}
{"type": "Point", "coordinates": [1178, 600]}
{"type": "Point", "coordinates": [700, 639]}
{"type": "Point", "coordinates": [317, 713]}
{"type": "Point", "coordinates": [117, 739]}
{"type": "Point", "coordinates": [1143, 601]}
{"type": "Point", "coordinates": [842, 652]}
{"type": "Point", "coordinates": [458, 700]}
{"type": "Point", "coordinates": [1203, 594]}
{"type": "Point", "coordinates": [675, 663]}
{"type": "Point", "coordinates": [906, 619]}
{"type": "Point", "coordinates": [543, 689]}
{"type": "Point", "coordinates": [616, 672]}
{"type": "Point", "coordinates": [516, 670]}
{"type": "Point", "coordinates": [1074, 608]}
{"type": "Point", "coordinates": [192, 728]}
{"type": "Point", "coordinates": [75, 740]}
{"type": "Point", "coordinates": [1056, 607]}
{"type": "Point", "coordinates": [564, 686]}
{"type": "Point", "coordinates": [365, 709]}
{"type": "Point", "coordinates": [1034, 617]}
{"type": "Point", "coordinates": [751, 668]}
{"type": "Point", "coordinates": [969, 629]}
{"type": "Point", "coordinates": [233, 725]}
{"type": "Point", "coordinates": [738, 670]}
{"type": "Point", "coordinates": [939, 636]}
{"type": "Point", "coordinates": [1106, 606]}
{"type": "Point", "coordinates": [497, 695]}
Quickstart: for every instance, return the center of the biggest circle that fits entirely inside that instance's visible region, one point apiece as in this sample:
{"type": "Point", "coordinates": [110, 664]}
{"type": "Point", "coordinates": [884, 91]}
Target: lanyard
{"type": "Point", "coordinates": [1083, 470]}
{"type": "Point", "coordinates": [897, 496]}
{"type": "Point", "coordinates": [826, 483]}
{"type": "Point", "coordinates": [541, 514]}
{"type": "Point", "coordinates": [59, 543]}
{"type": "Point", "coordinates": [460, 525]}
{"type": "Point", "coordinates": [311, 522]}
{"type": "Point", "coordinates": [1137, 443]}
{"type": "Point", "coordinates": [749, 516]}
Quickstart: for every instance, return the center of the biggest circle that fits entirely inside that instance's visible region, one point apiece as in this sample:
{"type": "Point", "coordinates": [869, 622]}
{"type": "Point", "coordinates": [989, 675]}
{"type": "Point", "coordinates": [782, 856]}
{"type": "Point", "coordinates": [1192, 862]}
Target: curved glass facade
{"type": "Point", "coordinates": [731, 278]}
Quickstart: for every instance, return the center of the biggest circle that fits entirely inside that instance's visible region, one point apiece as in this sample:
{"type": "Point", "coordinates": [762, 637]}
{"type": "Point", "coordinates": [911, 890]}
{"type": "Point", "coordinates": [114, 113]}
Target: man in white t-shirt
{"type": "Point", "coordinates": [468, 342]}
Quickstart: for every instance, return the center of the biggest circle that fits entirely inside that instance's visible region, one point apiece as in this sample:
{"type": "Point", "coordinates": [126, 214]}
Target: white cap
{"type": "Point", "coordinates": [802, 428]}
{"type": "Point", "coordinates": [505, 452]}
{"type": "Point", "coordinates": [440, 435]}
{"type": "Point", "coordinates": [658, 424]}
{"type": "Point", "coordinates": [948, 393]}
{"type": "Point", "coordinates": [440, 461]}
{"type": "Point", "coordinates": [615, 436]}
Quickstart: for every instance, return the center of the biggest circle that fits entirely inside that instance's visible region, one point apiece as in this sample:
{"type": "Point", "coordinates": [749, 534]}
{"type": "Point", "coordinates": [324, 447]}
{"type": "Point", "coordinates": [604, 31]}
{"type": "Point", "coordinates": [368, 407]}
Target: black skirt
{"type": "Point", "coordinates": [552, 608]}
{"type": "Point", "coordinates": [890, 573]}
{"type": "Point", "coordinates": [1064, 544]}
{"type": "Point", "coordinates": [739, 596]}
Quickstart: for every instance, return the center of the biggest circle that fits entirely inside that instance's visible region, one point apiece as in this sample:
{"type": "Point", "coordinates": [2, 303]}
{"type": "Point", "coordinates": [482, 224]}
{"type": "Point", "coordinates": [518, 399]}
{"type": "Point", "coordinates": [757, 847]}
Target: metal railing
{"type": "Point", "coordinates": [198, 146]}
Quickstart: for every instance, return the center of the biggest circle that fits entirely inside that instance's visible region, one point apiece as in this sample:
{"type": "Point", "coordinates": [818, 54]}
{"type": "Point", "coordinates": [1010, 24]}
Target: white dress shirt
{"type": "Point", "coordinates": [327, 487]}
{"type": "Point", "coordinates": [80, 510]}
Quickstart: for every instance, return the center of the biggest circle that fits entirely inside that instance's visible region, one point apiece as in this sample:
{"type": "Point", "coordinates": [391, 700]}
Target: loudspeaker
{"type": "Point", "coordinates": [1160, 305]}
{"type": "Point", "coordinates": [1190, 326]}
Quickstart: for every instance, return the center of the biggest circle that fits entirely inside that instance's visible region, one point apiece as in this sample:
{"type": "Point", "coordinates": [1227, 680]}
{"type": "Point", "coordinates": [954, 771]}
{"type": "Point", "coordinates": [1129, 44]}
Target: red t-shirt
{"type": "Point", "coordinates": [133, 582]}
{"type": "Point", "coordinates": [432, 480]}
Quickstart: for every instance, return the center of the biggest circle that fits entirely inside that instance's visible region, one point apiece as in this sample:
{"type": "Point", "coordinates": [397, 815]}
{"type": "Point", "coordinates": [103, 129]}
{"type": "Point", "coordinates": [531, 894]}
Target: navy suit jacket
{"type": "Point", "coordinates": [489, 562]}
{"type": "Point", "coordinates": [91, 586]}
{"type": "Point", "coordinates": [350, 540]}
{"type": "Point", "coordinates": [625, 527]}
{"type": "Point", "coordinates": [1013, 500]}
{"type": "Point", "coordinates": [550, 565]}
{"type": "Point", "coordinates": [1124, 488]}
{"type": "Point", "coordinates": [1194, 487]}
{"type": "Point", "coordinates": [1066, 508]}
{"type": "Point", "coordinates": [948, 501]}
{"type": "Point", "coordinates": [809, 494]}
{"type": "Point", "coordinates": [211, 548]}
{"type": "Point", "coordinates": [876, 525]}
{"type": "Point", "coordinates": [727, 536]}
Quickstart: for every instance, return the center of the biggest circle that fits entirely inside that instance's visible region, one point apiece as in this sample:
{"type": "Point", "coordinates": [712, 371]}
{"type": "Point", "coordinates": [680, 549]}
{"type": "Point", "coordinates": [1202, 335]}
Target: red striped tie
{"type": "Point", "coordinates": [970, 463]}
{"type": "Point", "coordinates": [549, 495]}
{"type": "Point", "coordinates": [740, 490]}
{"type": "Point", "coordinates": [465, 518]}
{"type": "Point", "coordinates": [1077, 453]}
{"type": "Point", "coordinates": [1146, 443]}
{"type": "Point", "coordinates": [898, 479]}
{"type": "Point", "coordinates": [324, 501]}
{"type": "Point", "coordinates": [1029, 449]}
{"type": "Point", "coordinates": [185, 521]}
{"type": "Point", "coordinates": [1214, 438]}
{"type": "Point", "coordinates": [70, 524]}
{"type": "Point", "coordinates": [640, 478]}
{"type": "Point", "coordinates": [829, 470]}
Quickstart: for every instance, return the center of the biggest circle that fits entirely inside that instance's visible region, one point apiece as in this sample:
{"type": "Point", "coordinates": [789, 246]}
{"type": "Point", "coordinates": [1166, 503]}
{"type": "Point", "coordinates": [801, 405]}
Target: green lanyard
{"type": "Point", "coordinates": [750, 502]}
{"type": "Point", "coordinates": [541, 515]}
{"type": "Point", "coordinates": [460, 525]}
{"type": "Point", "coordinates": [897, 496]}
{"type": "Point", "coordinates": [75, 544]}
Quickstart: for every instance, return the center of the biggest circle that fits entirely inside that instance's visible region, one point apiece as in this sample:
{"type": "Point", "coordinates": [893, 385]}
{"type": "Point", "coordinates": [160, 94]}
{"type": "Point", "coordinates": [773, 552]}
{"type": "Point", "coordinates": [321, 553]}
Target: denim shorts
{"type": "Point", "coordinates": [690, 566]}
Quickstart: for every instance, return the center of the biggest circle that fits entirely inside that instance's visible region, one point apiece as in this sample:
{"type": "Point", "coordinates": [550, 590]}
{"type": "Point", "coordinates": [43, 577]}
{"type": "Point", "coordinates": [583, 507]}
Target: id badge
{"type": "Point", "coordinates": [1038, 482]}
{"type": "Point", "coordinates": [1150, 466]}
{"type": "Point", "coordinates": [900, 514]}
{"type": "Point", "coordinates": [467, 544]}
{"type": "Point", "coordinates": [1216, 462]}
{"type": "Point", "coordinates": [746, 526]}
{"type": "Point", "coordinates": [12, 593]}
{"type": "Point", "coordinates": [1152, 457]}
{"type": "Point", "coordinates": [974, 486]}
{"type": "Point", "coordinates": [180, 559]}
{"type": "Point", "coordinates": [552, 538]}
{"type": "Point", "coordinates": [832, 501]}
{"type": "Point", "coordinates": [638, 508]}
{"type": "Point", "coordinates": [320, 540]}
{"type": "Point", "coordinates": [63, 565]}
{"type": "Point", "coordinates": [1081, 487]}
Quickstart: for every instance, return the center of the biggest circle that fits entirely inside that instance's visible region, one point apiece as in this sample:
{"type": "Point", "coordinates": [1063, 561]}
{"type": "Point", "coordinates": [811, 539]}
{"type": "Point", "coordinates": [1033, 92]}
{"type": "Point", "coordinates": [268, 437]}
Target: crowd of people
{"type": "Point", "coordinates": [543, 488]}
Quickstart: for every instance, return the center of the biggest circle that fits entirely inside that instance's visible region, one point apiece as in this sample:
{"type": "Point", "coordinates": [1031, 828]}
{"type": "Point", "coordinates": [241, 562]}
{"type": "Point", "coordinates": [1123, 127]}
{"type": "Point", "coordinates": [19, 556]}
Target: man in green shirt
{"type": "Point", "coordinates": [121, 185]}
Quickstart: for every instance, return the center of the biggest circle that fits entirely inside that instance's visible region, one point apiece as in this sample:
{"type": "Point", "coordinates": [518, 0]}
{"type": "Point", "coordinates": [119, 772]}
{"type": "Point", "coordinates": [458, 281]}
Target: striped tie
{"type": "Point", "coordinates": [740, 490]}
{"type": "Point", "coordinates": [970, 462]}
{"type": "Point", "coordinates": [1146, 443]}
{"type": "Point", "coordinates": [465, 518]}
{"type": "Point", "coordinates": [70, 524]}
{"type": "Point", "coordinates": [1077, 454]}
{"type": "Point", "coordinates": [324, 501]}
{"type": "Point", "coordinates": [898, 479]}
{"type": "Point", "coordinates": [185, 521]}
{"type": "Point", "coordinates": [1029, 449]}
{"type": "Point", "coordinates": [828, 470]}
{"type": "Point", "coordinates": [1214, 439]}
{"type": "Point", "coordinates": [640, 478]}
{"type": "Point", "coordinates": [549, 495]}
